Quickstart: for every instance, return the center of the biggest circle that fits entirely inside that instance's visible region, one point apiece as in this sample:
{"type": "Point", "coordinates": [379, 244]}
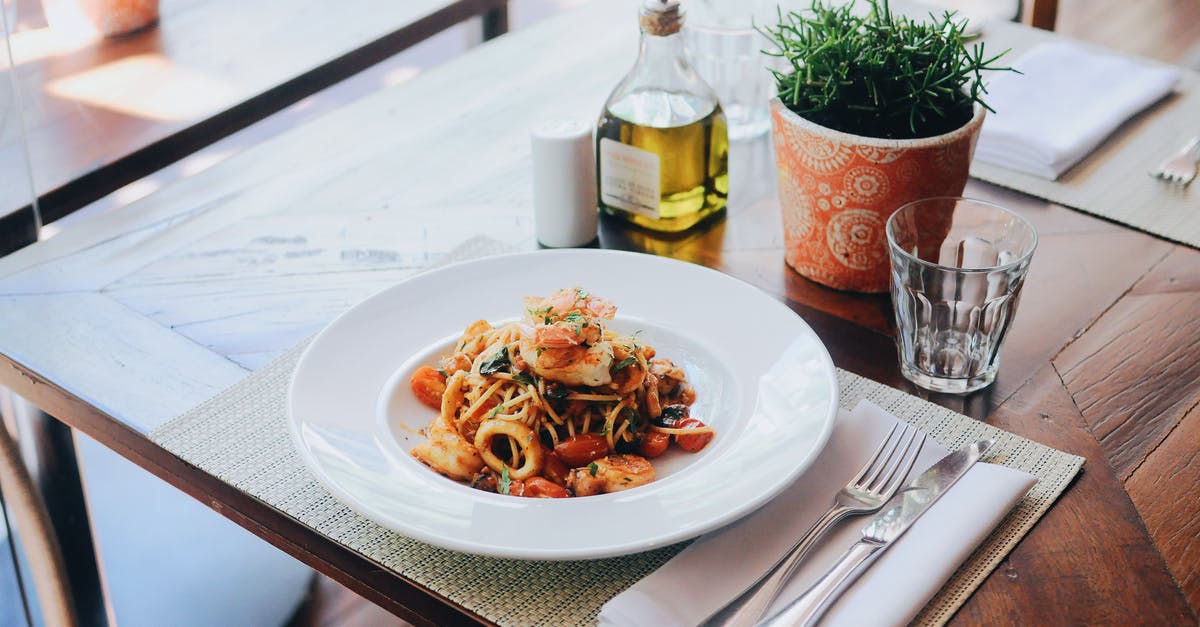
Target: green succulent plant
{"type": "Point", "coordinates": [878, 74]}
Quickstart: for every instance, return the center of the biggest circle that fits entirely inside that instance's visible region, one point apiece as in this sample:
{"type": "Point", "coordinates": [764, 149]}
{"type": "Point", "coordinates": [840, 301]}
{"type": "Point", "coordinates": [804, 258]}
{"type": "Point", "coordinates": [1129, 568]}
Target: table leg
{"type": "Point", "coordinates": [495, 22]}
{"type": "Point", "coordinates": [49, 450]}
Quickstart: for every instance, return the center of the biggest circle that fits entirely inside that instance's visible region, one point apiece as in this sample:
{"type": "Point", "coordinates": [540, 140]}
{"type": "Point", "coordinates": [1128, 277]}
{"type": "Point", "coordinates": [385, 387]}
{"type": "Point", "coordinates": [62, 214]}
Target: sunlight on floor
{"type": "Point", "coordinates": [101, 90]}
{"type": "Point", "coordinates": [147, 85]}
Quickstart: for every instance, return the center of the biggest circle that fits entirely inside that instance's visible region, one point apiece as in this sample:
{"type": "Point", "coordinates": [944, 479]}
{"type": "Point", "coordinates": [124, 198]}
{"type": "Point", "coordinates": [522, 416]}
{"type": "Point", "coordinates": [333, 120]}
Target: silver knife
{"type": "Point", "coordinates": [890, 523]}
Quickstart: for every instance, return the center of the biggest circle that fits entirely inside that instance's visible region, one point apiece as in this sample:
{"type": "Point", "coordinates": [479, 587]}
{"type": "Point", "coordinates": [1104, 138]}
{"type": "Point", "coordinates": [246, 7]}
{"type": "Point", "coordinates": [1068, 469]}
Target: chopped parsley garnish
{"type": "Point", "coordinates": [625, 363]}
{"type": "Point", "coordinates": [631, 415]}
{"type": "Point", "coordinates": [505, 482]}
{"type": "Point", "coordinates": [523, 378]}
{"type": "Point", "coordinates": [592, 468]}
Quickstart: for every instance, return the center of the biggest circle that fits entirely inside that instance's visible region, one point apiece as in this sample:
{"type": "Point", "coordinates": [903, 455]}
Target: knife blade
{"type": "Point", "coordinates": [896, 516]}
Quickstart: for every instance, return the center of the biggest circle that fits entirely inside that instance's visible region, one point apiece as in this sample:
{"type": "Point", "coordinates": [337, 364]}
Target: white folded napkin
{"type": "Point", "coordinates": [1066, 101]}
{"type": "Point", "coordinates": [718, 567]}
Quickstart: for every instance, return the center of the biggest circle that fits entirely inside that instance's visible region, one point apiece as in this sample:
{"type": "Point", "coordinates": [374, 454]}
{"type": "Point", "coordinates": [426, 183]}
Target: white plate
{"type": "Point", "coordinates": [763, 380]}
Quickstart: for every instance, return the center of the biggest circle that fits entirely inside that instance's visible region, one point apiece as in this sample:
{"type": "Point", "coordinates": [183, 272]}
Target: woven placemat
{"type": "Point", "coordinates": [1113, 181]}
{"type": "Point", "coordinates": [241, 437]}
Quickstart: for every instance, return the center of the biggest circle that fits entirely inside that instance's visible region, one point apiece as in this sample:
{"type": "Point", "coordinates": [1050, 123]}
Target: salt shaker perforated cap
{"type": "Point", "coordinates": [564, 184]}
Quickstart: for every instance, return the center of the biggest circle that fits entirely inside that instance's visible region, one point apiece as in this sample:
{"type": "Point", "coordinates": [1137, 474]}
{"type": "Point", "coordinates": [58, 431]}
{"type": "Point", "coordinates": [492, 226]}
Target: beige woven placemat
{"type": "Point", "coordinates": [241, 437]}
{"type": "Point", "coordinates": [1113, 181]}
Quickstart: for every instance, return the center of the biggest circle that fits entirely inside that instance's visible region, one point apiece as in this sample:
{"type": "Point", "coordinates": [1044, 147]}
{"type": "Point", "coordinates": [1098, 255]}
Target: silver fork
{"type": "Point", "coordinates": [874, 484]}
{"type": "Point", "coordinates": [1180, 168]}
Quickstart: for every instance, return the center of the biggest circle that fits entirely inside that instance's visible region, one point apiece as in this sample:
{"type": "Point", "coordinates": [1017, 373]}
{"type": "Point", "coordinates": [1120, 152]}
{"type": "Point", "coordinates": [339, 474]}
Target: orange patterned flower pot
{"type": "Point", "coordinates": [837, 191]}
{"type": "Point", "coordinates": [114, 18]}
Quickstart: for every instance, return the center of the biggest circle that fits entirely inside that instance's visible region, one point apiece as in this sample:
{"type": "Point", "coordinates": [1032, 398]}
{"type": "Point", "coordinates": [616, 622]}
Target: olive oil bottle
{"type": "Point", "coordinates": [662, 146]}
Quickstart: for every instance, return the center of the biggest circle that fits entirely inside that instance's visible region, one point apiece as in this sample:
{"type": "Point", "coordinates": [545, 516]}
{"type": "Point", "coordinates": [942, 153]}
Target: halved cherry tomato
{"type": "Point", "coordinates": [695, 442]}
{"type": "Point", "coordinates": [653, 444]}
{"type": "Point", "coordinates": [540, 488]}
{"type": "Point", "coordinates": [555, 470]}
{"type": "Point", "coordinates": [581, 450]}
{"type": "Point", "coordinates": [428, 385]}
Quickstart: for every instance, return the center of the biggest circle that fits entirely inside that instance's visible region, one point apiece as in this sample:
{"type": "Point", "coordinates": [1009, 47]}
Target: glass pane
{"type": "Point", "coordinates": [16, 598]}
{"type": "Point", "coordinates": [12, 582]}
{"type": "Point", "coordinates": [15, 173]}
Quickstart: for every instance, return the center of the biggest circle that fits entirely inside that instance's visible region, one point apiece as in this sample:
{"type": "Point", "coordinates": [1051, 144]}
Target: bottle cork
{"type": "Point", "coordinates": [660, 17]}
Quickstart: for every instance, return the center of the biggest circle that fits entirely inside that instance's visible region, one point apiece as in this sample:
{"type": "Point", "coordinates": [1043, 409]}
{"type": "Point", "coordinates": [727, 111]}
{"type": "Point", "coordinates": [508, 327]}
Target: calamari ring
{"type": "Point", "coordinates": [531, 448]}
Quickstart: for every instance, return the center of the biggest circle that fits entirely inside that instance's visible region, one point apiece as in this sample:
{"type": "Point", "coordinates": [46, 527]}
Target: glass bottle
{"type": "Point", "coordinates": [662, 146]}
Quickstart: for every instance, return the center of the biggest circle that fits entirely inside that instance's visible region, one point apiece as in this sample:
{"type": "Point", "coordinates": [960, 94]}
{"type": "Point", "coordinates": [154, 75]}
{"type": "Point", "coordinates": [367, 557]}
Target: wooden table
{"type": "Point", "coordinates": [145, 313]}
{"type": "Point", "coordinates": [102, 113]}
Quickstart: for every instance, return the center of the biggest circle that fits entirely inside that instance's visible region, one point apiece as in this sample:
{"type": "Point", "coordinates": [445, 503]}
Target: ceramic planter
{"type": "Point", "coordinates": [837, 191]}
{"type": "Point", "coordinates": [114, 18]}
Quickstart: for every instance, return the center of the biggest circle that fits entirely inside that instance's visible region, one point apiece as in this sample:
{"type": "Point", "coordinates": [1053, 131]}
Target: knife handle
{"type": "Point", "coordinates": [811, 605]}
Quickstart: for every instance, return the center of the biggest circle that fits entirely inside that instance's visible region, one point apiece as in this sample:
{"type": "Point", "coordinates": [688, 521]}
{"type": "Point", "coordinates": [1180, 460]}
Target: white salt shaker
{"type": "Point", "coordinates": [564, 184]}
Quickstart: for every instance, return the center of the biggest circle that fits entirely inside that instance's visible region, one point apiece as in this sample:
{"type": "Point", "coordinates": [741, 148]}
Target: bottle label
{"type": "Point", "coordinates": [629, 178]}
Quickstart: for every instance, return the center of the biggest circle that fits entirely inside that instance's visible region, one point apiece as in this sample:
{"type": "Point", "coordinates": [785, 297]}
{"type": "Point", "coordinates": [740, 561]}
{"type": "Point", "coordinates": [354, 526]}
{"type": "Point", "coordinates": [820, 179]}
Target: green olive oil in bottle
{"type": "Point", "coordinates": [662, 148]}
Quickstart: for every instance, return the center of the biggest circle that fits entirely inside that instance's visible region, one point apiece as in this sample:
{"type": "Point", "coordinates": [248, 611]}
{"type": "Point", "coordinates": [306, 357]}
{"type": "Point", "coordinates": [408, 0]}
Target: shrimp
{"type": "Point", "coordinates": [611, 474]}
{"type": "Point", "coordinates": [672, 382]}
{"type": "Point", "coordinates": [572, 365]}
{"type": "Point", "coordinates": [567, 301]}
{"type": "Point", "coordinates": [563, 338]}
{"type": "Point", "coordinates": [630, 371]}
{"type": "Point", "coordinates": [446, 451]}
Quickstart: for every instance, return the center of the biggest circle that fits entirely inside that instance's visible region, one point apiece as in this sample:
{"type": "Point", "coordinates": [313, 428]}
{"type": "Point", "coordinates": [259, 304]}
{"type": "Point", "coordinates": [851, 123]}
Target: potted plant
{"type": "Point", "coordinates": [874, 110]}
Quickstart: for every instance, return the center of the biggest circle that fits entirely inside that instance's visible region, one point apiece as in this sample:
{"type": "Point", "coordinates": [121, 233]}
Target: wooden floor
{"type": "Point", "coordinates": [1167, 30]}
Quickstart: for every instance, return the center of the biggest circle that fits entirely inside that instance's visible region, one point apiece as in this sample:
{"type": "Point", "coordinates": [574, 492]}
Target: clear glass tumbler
{"type": "Point", "coordinates": [726, 50]}
{"type": "Point", "coordinates": [957, 269]}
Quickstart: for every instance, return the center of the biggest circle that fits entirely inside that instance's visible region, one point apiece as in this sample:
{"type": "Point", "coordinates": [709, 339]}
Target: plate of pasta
{"type": "Point", "coordinates": [566, 404]}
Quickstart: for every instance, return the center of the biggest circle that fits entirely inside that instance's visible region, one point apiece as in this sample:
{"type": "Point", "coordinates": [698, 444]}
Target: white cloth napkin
{"type": "Point", "coordinates": [718, 567]}
{"type": "Point", "coordinates": [1065, 102]}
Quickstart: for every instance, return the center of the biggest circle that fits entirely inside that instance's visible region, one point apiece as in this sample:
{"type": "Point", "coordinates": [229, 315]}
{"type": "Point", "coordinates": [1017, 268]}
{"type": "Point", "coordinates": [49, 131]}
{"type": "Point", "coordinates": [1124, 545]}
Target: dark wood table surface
{"type": "Point", "coordinates": [117, 327]}
{"type": "Point", "coordinates": [102, 113]}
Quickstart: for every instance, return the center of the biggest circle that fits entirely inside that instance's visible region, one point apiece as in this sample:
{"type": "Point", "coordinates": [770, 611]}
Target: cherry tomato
{"type": "Point", "coordinates": [555, 470]}
{"type": "Point", "coordinates": [539, 488]}
{"type": "Point", "coordinates": [692, 443]}
{"type": "Point", "coordinates": [428, 385]}
{"type": "Point", "coordinates": [653, 444]}
{"type": "Point", "coordinates": [581, 450]}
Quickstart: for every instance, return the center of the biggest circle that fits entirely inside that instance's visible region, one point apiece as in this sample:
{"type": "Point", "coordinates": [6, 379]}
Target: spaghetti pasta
{"type": "Point", "coordinates": [555, 404]}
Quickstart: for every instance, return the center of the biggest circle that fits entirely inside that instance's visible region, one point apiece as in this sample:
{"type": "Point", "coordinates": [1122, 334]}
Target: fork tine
{"type": "Point", "coordinates": [880, 465]}
{"type": "Point", "coordinates": [905, 467]}
{"type": "Point", "coordinates": [878, 455]}
{"type": "Point", "coordinates": [897, 461]}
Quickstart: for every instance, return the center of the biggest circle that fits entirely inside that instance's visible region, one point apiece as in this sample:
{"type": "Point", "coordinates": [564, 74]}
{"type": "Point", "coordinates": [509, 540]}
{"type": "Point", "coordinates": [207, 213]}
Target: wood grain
{"type": "Point", "coordinates": [1167, 30]}
{"type": "Point", "coordinates": [1129, 373]}
{"type": "Point", "coordinates": [1165, 489]}
{"type": "Point", "coordinates": [1089, 558]}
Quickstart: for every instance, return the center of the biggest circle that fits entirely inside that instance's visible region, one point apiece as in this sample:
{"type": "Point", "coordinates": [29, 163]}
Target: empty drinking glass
{"type": "Point", "coordinates": [726, 50]}
{"type": "Point", "coordinates": [957, 269]}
